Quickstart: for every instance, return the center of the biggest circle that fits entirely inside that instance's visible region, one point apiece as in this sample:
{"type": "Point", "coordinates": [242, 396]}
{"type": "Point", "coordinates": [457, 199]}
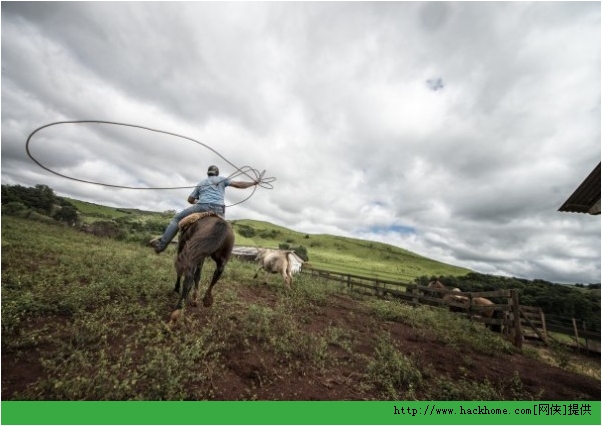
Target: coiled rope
{"type": "Point", "coordinates": [253, 174]}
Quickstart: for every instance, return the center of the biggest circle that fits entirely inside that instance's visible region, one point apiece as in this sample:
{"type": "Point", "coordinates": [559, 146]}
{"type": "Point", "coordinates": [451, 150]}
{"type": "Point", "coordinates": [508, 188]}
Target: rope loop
{"type": "Point", "coordinates": [248, 171]}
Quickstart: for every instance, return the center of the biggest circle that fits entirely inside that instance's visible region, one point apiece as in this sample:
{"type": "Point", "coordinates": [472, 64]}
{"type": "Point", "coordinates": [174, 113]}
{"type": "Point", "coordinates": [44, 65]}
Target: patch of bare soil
{"type": "Point", "coordinates": [252, 371]}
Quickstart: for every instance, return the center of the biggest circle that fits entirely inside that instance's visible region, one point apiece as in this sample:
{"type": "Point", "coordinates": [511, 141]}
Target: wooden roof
{"type": "Point", "coordinates": [586, 198]}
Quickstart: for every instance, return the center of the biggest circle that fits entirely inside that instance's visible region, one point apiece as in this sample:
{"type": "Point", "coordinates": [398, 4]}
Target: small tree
{"type": "Point", "coordinates": [67, 214]}
{"type": "Point", "coordinates": [44, 198]}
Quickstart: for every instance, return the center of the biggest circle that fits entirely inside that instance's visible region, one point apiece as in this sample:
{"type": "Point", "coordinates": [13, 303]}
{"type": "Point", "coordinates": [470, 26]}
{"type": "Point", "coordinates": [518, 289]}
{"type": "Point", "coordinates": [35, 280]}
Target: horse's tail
{"type": "Point", "coordinates": [200, 240]}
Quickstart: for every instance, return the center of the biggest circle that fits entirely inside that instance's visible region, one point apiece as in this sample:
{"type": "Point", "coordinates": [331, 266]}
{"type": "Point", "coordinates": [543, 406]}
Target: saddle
{"type": "Point", "coordinates": [190, 219]}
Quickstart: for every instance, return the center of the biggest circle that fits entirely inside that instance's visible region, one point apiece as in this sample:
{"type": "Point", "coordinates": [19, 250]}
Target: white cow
{"type": "Point", "coordinates": [275, 262]}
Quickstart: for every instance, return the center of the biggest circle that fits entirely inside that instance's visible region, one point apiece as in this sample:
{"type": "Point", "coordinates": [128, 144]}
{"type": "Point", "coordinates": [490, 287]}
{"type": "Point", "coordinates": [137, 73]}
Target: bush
{"type": "Point", "coordinates": [302, 252]}
{"type": "Point", "coordinates": [246, 231]}
{"type": "Point", "coordinates": [14, 208]}
{"type": "Point", "coordinates": [67, 214]}
{"type": "Point", "coordinates": [269, 234]}
{"type": "Point", "coordinates": [106, 229]}
{"type": "Point", "coordinates": [155, 226]}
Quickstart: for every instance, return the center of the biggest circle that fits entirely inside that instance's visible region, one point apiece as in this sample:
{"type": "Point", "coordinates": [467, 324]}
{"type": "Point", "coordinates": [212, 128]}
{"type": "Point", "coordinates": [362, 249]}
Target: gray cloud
{"type": "Point", "coordinates": [329, 98]}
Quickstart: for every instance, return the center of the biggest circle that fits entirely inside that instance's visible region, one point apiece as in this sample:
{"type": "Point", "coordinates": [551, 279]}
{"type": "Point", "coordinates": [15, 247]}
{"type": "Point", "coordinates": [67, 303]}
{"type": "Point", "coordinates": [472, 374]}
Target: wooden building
{"type": "Point", "coordinates": [586, 198]}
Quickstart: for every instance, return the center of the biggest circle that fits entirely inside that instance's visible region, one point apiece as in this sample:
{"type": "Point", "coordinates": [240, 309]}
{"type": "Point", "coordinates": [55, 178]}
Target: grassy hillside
{"type": "Point", "coordinates": [83, 317]}
{"type": "Point", "coordinates": [90, 212]}
{"type": "Point", "coordinates": [339, 254]}
{"type": "Point", "coordinates": [349, 255]}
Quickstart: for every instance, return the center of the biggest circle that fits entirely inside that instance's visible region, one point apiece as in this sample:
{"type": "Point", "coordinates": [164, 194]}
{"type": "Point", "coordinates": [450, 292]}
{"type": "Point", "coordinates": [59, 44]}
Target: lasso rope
{"type": "Point", "coordinates": [264, 182]}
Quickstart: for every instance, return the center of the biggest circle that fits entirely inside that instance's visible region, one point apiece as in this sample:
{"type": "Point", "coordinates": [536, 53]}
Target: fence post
{"type": "Point", "coordinates": [576, 334]}
{"type": "Point", "coordinates": [507, 327]}
{"type": "Point", "coordinates": [585, 337]}
{"type": "Point", "coordinates": [415, 294]}
{"type": "Point", "coordinates": [470, 306]}
{"type": "Point", "coordinates": [518, 332]}
{"type": "Point", "coordinates": [543, 323]}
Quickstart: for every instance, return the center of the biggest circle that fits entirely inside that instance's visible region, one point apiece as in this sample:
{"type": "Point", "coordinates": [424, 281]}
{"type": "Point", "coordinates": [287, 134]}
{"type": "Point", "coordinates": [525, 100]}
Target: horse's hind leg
{"type": "Point", "coordinates": [176, 288]}
{"type": "Point", "coordinates": [177, 313]}
{"type": "Point", "coordinates": [197, 279]}
{"type": "Point", "coordinates": [220, 265]}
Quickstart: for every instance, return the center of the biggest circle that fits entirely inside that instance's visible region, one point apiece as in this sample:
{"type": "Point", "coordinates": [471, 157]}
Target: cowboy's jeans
{"type": "Point", "coordinates": [172, 228]}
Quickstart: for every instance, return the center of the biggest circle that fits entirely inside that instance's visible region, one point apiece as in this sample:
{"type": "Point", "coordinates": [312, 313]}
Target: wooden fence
{"type": "Point", "coordinates": [515, 321]}
{"type": "Point", "coordinates": [583, 336]}
{"type": "Point", "coordinates": [502, 317]}
{"type": "Point", "coordinates": [380, 286]}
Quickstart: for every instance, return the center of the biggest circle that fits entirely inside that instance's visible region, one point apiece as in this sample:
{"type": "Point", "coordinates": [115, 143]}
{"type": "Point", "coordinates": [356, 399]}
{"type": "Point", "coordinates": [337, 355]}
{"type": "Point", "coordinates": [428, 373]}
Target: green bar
{"type": "Point", "coordinates": [302, 413]}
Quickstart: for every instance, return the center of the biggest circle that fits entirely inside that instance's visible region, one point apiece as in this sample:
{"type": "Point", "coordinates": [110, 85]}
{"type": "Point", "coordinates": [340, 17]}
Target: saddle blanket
{"type": "Point", "coordinates": [190, 219]}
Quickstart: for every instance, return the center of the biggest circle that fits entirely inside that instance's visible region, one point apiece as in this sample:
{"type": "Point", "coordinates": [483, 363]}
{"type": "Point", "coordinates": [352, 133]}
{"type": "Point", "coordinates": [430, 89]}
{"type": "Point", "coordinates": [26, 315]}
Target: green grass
{"type": "Point", "coordinates": [89, 315]}
{"type": "Point", "coordinates": [348, 255]}
{"type": "Point", "coordinates": [90, 212]}
{"type": "Point", "coordinates": [96, 210]}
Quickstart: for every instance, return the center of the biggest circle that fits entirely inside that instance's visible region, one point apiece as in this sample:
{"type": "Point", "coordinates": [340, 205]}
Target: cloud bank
{"type": "Point", "coordinates": [454, 130]}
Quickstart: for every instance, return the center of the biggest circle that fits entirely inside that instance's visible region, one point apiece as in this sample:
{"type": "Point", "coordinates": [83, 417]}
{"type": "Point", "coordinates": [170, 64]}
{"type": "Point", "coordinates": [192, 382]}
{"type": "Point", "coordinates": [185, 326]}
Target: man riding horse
{"type": "Point", "coordinates": [207, 196]}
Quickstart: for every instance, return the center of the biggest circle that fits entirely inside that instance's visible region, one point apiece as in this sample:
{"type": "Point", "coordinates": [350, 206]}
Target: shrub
{"type": "Point", "coordinates": [246, 231]}
{"type": "Point", "coordinates": [302, 252]}
{"type": "Point", "coordinates": [14, 208]}
{"type": "Point", "coordinates": [67, 214]}
{"type": "Point", "coordinates": [269, 234]}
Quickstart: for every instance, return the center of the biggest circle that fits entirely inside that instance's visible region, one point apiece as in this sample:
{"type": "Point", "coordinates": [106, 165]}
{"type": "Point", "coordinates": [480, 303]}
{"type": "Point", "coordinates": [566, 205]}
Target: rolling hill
{"type": "Point", "coordinates": [343, 254]}
{"type": "Point", "coordinates": [339, 254]}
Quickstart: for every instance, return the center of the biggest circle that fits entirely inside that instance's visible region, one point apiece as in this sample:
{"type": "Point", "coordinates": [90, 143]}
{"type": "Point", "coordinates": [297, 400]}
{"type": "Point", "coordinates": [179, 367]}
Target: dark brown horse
{"type": "Point", "coordinates": [201, 235]}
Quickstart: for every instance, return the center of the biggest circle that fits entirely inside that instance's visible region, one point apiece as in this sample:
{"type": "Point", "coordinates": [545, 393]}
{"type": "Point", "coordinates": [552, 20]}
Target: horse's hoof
{"type": "Point", "coordinates": [174, 317]}
{"type": "Point", "coordinates": [207, 301]}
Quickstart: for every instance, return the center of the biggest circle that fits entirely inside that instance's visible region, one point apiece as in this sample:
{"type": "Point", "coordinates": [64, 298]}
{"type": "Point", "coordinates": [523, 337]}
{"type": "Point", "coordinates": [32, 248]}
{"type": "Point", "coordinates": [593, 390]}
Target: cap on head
{"type": "Point", "coordinates": [212, 171]}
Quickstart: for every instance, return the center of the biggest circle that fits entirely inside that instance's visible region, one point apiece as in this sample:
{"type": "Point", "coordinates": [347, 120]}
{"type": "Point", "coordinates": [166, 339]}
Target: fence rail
{"type": "Point", "coordinates": [514, 320]}
{"type": "Point", "coordinates": [583, 335]}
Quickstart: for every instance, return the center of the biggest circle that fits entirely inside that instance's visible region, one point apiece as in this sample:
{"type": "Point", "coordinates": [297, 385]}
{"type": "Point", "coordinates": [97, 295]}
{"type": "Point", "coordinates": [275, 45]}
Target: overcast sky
{"type": "Point", "coordinates": [453, 130]}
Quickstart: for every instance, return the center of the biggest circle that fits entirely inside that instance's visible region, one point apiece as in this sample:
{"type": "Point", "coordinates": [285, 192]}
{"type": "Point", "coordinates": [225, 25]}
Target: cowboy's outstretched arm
{"type": "Point", "coordinates": [241, 184]}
